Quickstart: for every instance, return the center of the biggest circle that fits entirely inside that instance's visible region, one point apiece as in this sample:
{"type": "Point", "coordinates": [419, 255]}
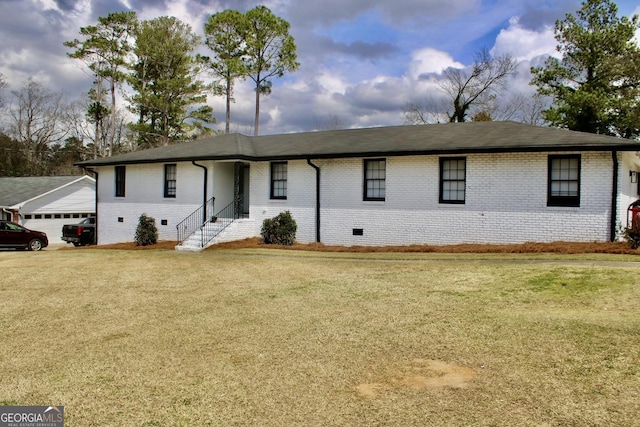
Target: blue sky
{"type": "Point", "coordinates": [361, 60]}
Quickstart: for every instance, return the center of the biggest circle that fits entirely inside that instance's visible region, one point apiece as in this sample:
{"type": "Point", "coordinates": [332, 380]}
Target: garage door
{"type": "Point", "coordinates": [52, 224]}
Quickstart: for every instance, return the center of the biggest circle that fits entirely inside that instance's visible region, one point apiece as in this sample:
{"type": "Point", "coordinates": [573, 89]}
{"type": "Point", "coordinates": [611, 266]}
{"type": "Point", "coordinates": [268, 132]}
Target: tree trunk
{"type": "Point", "coordinates": [257, 119]}
{"type": "Point", "coordinates": [228, 114]}
{"type": "Point", "coordinates": [95, 139]}
{"type": "Point", "coordinates": [113, 115]}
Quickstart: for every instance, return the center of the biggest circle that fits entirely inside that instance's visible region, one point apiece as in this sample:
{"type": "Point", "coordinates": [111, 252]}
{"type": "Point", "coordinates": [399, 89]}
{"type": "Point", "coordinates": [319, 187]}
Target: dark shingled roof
{"type": "Point", "coordinates": [450, 138]}
{"type": "Point", "coordinates": [15, 190]}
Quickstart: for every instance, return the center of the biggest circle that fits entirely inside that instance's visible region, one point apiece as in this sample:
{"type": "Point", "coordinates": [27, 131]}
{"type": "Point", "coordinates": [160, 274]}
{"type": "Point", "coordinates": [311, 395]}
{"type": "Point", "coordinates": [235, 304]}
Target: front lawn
{"type": "Point", "coordinates": [282, 338]}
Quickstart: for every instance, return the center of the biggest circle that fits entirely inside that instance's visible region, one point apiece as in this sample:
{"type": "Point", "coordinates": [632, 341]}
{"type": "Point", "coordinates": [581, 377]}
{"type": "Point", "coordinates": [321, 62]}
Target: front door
{"type": "Point", "coordinates": [241, 190]}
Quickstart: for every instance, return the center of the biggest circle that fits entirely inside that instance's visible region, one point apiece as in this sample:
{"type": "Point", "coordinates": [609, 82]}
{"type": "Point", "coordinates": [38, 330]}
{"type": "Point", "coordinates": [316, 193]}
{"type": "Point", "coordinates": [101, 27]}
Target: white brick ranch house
{"type": "Point", "coordinates": [485, 182]}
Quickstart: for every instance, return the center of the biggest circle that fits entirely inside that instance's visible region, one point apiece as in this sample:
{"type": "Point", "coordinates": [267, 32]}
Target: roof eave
{"type": "Point", "coordinates": [372, 153]}
{"type": "Point", "coordinates": [90, 164]}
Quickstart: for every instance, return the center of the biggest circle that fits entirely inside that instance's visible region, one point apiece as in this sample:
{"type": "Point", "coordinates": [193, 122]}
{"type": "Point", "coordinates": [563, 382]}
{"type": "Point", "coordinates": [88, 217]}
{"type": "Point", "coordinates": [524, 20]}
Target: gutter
{"type": "Point", "coordinates": [317, 199]}
{"type": "Point", "coordinates": [8, 212]}
{"type": "Point", "coordinates": [204, 194]}
{"type": "Point", "coordinates": [94, 172]}
{"type": "Point", "coordinates": [614, 196]}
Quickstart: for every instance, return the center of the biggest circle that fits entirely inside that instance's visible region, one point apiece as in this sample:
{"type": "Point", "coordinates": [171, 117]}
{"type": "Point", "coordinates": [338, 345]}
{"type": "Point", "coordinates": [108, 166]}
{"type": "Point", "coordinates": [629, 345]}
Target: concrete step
{"type": "Point", "coordinates": [194, 241]}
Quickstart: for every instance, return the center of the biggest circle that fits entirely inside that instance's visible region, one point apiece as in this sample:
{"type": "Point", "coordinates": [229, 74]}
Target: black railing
{"type": "Point", "coordinates": [219, 222]}
{"type": "Point", "coordinates": [213, 225]}
{"type": "Point", "coordinates": [224, 218]}
{"type": "Point", "coordinates": [195, 221]}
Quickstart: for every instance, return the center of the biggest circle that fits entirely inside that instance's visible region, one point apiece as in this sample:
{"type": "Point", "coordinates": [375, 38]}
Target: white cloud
{"type": "Point", "coordinates": [428, 61]}
{"type": "Point", "coordinates": [525, 44]}
{"type": "Point", "coordinates": [49, 5]}
{"type": "Point", "coordinates": [362, 60]}
{"type": "Point", "coordinates": [186, 11]}
{"type": "Point", "coordinates": [637, 36]}
{"type": "Point", "coordinates": [330, 83]}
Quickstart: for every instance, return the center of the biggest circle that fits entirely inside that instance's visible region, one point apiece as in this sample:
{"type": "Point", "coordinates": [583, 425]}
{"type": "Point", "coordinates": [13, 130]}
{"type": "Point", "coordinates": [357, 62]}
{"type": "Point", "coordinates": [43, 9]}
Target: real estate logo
{"type": "Point", "coordinates": [31, 416]}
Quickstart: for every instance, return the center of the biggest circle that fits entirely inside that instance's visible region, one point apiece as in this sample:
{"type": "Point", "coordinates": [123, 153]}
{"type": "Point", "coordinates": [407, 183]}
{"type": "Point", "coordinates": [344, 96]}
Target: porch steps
{"type": "Point", "coordinates": [205, 234]}
{"type": "Point", "coordinates": [217, 232]}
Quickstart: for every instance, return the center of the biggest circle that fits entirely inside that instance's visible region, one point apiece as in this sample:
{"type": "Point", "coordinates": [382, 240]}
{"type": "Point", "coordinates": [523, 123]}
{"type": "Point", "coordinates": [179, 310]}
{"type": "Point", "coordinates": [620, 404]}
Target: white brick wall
{"type": "Point", "coordinates": [144, 193]}
{"type": "Point", "coordinates": [506, 202]}
{"type": "Point", "coordinates": [300, 197]}
{"type": "Point", "coordinates": [238, 230]}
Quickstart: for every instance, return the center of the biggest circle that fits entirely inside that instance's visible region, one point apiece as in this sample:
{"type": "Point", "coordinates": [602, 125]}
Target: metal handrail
{"type": "Point", "coordinates": [196, 220]}
{"type": "Point", "coordinates": [222, 219]}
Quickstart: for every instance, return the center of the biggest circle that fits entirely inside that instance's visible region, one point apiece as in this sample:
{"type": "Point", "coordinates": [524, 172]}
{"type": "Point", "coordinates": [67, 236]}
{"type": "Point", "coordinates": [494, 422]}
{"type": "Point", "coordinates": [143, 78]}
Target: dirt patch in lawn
{"type": "Point", "coordinates": [555, 247]}
{"type": "Point", "coordinates": [421, 374]}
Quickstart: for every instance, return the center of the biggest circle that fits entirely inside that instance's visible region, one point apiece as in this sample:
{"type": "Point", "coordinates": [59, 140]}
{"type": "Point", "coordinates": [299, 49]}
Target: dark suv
{"type": "Point", "coordinates": [16, 236]}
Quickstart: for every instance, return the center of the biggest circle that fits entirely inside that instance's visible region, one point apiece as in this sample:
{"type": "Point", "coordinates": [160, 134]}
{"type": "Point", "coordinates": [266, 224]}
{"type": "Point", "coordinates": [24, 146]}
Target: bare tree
{"type": "Point", "coordinates": [36, 115]}
{"type": "Point", "coordinates": [3, 85]}
{"type": "Point", "coordinates": [333, 122]}
{"type": "Point", "coordinates": [429, 111]}
{"type": "Point", "coordinates": [523, 109]}
{"type": "Point", "coordinates": [79, 128]}
{"type": "Point", "coordinates": [476, 86]}
{"type": "Point", "coordinates": [97, 135]}
{"type": "Point", "coordinates": [105, 49]}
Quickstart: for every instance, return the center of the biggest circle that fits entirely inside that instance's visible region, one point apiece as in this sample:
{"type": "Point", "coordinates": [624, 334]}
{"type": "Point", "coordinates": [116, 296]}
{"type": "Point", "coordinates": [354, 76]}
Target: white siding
{"type": "Point", "coordinates": [75, 200]}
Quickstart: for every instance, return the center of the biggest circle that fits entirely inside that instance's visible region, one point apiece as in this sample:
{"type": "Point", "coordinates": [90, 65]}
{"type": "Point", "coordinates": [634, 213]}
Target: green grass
{"type": "Point", "coordinates": [284, 338]}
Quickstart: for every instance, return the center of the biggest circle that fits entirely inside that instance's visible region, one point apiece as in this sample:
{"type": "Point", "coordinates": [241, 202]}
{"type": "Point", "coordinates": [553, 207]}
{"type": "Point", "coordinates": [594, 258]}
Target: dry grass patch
{"type": "Point", "coordinates": [264, 337]}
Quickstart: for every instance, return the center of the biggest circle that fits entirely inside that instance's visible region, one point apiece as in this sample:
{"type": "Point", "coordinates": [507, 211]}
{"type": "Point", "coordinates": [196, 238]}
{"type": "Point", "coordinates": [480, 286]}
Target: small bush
{"type": "Point", "coordinates": [632, 235]}
{"type": "Point", "coordinates": [146, 232]}
{"type": "Point", "coordinates": [280, 230]}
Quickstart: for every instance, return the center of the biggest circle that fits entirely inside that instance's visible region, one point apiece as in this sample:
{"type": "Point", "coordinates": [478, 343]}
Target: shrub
{"type": "Point", "coordinates": [279, 230]}
{"type": "Point", "coordinates": [146, 232]}
{"type": "Point", "coordinates": [632, 235]}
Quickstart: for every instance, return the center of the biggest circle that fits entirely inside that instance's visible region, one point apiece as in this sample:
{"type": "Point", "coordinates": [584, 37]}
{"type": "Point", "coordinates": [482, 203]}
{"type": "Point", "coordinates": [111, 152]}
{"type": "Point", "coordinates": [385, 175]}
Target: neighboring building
{"type": "Point", "coordinates": [485, 182]}
{"type": "Point", "coordinates": [46, 203]}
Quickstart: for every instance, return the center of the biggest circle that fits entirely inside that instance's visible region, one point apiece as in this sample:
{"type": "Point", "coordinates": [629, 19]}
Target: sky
{"type": "Point", "coordinates": [361, 61]}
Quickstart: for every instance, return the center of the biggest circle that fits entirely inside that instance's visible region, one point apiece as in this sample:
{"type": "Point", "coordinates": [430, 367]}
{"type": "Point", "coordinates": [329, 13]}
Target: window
{"type": "Point", "coordinates": [170, 172]}
{"type": "Point", "coordinates": [453, 175]}
{"type": "Point", "coordinates": [121, 174]}
{"type": "Point", "coordinates": [375, 175]}
{"type": "Point", "coordinates": [564, 181]}
{"type": "Point", "coordinates": [279, 180]}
